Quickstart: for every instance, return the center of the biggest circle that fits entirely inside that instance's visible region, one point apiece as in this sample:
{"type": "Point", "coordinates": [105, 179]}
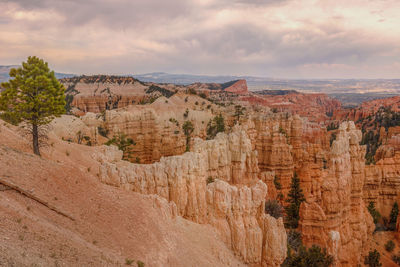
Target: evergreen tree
{"type": "Point", "coordinates": [373, 259]}
{"type": "Point", "coordinates": [238, 112]}
{"type": "Point", "coordinates": [216, 125]}
{"type": "Point", "coordinates": [188, 130]}
{"type": "Point", "coordinates": [393, 216]}
{"type": "Point", "coordinates": [295, 197]}
{"type": "Point", "coordinates": [123, 143]}
{"type": "Point", "coordinates": [33, 96]}
{"type": "Point", "coordinates": [374, 213]}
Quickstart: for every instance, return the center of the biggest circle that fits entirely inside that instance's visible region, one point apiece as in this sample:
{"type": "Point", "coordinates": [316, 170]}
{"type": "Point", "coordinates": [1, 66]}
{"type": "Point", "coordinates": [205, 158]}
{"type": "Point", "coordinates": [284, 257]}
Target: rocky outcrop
{"type": "Point", "coordinates": [368, 108]}
{"type": "Point", "coordinates": [382, 182]}
{"type": "Point", "coordinates": [154, 138]}
{"type": "Point", "coordinates": [337, 218]}
{"type": "Point", "coordinates": [319, 106]}
{"type": "Point", "coordinates": [239, 87]}
{"type": "Point", "coordinates": [216, 184]}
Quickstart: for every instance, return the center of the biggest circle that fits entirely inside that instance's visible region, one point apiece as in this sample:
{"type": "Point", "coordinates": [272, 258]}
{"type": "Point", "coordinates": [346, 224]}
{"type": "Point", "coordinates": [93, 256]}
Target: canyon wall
{"type": "Point", "coordinates": [334, 215]}
{"type": "Point", "coordinates": [337, 218]}
{"type": "Point", "coordinates": [382, 181]}
{"type": "Point", "coordinates": [215, 184]}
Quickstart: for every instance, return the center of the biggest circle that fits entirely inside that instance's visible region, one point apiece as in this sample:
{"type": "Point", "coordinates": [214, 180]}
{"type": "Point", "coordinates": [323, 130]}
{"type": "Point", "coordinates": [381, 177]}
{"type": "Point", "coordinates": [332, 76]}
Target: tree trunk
{"type": "Point", "coordinates": [35, 139]}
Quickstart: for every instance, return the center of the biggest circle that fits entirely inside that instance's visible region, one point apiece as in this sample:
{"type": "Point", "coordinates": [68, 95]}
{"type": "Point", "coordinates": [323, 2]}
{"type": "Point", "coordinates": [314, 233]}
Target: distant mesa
{"type": "Point", "coordinates": [238, 87]}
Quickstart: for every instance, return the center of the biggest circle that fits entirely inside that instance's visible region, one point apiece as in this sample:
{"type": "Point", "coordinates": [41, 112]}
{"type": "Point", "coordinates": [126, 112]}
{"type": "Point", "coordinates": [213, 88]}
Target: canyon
{"type": "Point", "coordinates": [214, 189]}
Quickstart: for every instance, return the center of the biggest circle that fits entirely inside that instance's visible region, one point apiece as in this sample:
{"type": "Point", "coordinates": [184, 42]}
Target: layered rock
{"type": "Point", "coordinates": [216, 184]}
{"type": "Point", "coordinates": [337, 218]}
{"type": "Point", "coordinates": [382, 182]}
{"type": "Point", "coordinates": [239, 87]}
{"type": "Point", "coordinates": [319, 106]}
{"type": "Point", "coordinates": [287, 143]}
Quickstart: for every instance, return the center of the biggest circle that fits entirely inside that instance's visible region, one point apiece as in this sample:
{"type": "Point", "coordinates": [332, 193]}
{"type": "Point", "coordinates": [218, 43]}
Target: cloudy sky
{"type": "Point", "coordinates": [269, 38]}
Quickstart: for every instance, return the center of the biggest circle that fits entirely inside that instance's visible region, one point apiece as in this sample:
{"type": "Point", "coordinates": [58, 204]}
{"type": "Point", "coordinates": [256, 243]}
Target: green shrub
{"type": "Point", "coordinates": [396, 259]}
{"type": "Point", "coordinates": [215, 126]}
{"type": "Point", "coordinates": [393, 217]}
{"type": "Point", "coordinates": [123, 143]}
{"type": "Point", "coordinates": [274, 208]}
{"type": "Point", "coordinates": [389, 246]}
{"type": "Point", "coordinates": [128, 261]}
{"type": "Point", "coordinates": [374, 213]}
{"type": "Point", "coordinates": [140, 263]}
{"type": "Point", "coordinates": [314, 256]}
{"type": "Point", "coordinates": [210, 180]}
{"type": "Point", "coordinates": [373, 259]}
{"type": "Point", "coordinates": [186, 114]}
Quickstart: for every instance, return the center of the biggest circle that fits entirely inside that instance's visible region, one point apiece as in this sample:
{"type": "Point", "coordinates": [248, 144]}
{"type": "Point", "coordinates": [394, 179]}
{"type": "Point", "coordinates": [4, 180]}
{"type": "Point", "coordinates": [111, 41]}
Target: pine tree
{"type": "Point", "coordinates": [123, 143]}
{"type": "Point", "coordinates": [373, 259]}
{"type": "Point", "coordinates": [34, 96]}
{"type": "Point", "coordinates": [214, 126]}
{"type": "Point", "coordinates": [295, 197]}
{"type": "Point", "coordinates": [374, 213]}
{"type": "Point", "coordinates": [238, 112]}
{"type": "Point", "coordinates": [393, 216]}
{"type": "Point", "coordinates": [188, 130]}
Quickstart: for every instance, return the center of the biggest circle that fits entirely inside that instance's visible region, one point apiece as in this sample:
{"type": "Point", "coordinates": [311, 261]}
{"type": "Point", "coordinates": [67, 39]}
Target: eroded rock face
{"type": "Point", "coordinates": [382, 181]}
{"type": "Point", "coordinates": [233, 202]}
{"type": "Point", "coordinates": [337, 218]}
{"type": "Point", "coordinates": [239, 87]}
{"type": "Point", "coordinates": [154, 138]}
{"type": "Point", "coordinates": [243, 166]}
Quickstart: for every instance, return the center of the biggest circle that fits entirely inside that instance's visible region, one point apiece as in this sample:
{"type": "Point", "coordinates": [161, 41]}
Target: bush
{"type": "Point", "coordinates": [186, 114]}
{"type": "Point", "coordinates": [314, 256]}
{"type": "Point", "coordinates": [123, 143]}
{"type": "Point", "coordinates": [214, 126]}
{"type": "Point", "coordinates": [128, 261]}
{"type": "Point", "coordinates": [373, 259]}
{"type": "Point", "coordinates": [396, 259]}
{"type": "Point", "coordinates": [393, 217]}
{"type": "Point", "coordinates": [274, 208]}
{"type": "Point", "coordinates": [374, 213]}
{"type": "Point", "coordinates": [210, 180]}
{"type": "Point", "coordinates": [140, 263]}
{"type": "Point", "coordinates": [389, 246]}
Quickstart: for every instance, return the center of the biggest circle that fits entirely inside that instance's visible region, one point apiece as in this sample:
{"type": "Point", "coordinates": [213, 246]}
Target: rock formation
{"type": "Point", "coordinates": [216, 184]}
{"type": "Point", "coordinates": [337, 218]}
{"type": "Point", "coordinates": [319, 106]}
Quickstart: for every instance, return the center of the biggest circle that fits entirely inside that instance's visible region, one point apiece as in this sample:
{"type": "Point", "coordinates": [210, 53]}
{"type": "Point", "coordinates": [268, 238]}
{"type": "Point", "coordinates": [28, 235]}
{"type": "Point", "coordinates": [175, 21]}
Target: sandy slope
{"type": "Point", "coordinates": [110, 225]}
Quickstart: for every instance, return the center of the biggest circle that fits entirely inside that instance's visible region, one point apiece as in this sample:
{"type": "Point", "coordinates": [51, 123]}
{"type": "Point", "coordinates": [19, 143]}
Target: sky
{"type": "Point", "coordinates": [268, 38]}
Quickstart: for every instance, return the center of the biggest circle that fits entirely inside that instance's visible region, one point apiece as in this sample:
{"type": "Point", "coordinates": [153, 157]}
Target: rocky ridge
{"type": "Point", "coordinates": [214, 184]}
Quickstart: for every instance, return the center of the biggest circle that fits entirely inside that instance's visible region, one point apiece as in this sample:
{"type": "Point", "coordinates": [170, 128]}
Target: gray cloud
{"type": "Point", "coordinates": [272, 37]}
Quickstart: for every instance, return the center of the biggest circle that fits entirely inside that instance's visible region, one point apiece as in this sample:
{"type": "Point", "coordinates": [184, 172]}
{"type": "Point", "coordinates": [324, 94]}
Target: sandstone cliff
{"type": "Point", "coordinates": [216, 184]}
{"type": "Point", "coordinates": [337, 218]}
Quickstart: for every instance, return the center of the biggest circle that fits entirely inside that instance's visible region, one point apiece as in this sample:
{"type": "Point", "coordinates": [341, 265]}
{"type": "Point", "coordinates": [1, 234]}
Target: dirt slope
{"type": "Point", "coordinates": [108, 225]}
